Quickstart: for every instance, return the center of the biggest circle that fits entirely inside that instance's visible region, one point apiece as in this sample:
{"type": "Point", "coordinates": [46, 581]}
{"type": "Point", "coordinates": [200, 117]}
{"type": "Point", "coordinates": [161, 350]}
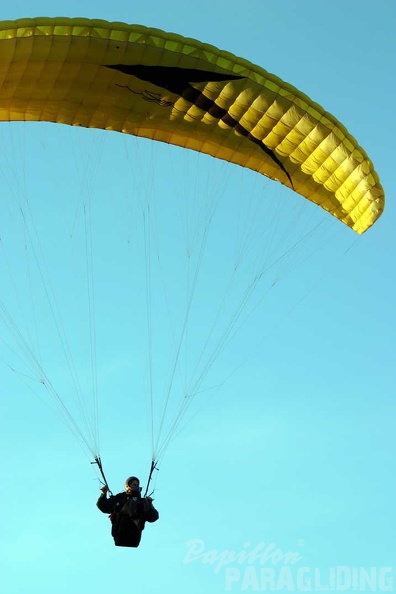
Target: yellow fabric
{"type": "Point", "coordinates": [75, 71]}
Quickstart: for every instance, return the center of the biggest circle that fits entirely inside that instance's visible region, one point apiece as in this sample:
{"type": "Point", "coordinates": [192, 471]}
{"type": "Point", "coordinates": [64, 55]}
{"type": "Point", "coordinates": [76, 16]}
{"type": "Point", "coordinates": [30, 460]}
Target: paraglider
{"type": "Point", "coordinates": [161, 86]}
{"type": "Point", "coordinates": [129, 512]}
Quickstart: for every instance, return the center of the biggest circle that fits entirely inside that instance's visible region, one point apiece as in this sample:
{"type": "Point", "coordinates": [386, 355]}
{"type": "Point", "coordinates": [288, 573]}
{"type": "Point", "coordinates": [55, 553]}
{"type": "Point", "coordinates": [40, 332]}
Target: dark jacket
{"type": "Point", "coordinates": [128, 515]}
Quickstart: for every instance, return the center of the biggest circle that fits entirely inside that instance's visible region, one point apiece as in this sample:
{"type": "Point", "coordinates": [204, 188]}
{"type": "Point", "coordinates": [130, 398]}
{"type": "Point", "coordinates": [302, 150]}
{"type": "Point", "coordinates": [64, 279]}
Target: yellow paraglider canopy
{"type": "Point", "coordinates": [162, 86]}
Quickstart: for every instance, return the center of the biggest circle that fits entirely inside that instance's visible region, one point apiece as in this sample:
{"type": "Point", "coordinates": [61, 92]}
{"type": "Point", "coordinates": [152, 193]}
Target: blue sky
{"type": "Point", "coordinates": [290, 440]}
